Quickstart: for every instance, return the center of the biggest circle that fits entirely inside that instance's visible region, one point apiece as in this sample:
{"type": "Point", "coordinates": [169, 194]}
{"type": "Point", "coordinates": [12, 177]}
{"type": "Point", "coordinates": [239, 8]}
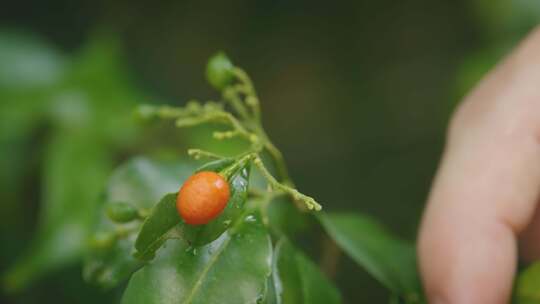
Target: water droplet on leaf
{"type": "Point", "coordinates": [250, 218]}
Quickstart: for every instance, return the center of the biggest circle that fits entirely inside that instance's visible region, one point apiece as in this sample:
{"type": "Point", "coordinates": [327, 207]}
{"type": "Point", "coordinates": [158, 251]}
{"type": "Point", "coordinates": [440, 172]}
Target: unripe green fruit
{"type": "Point", "coordinates": [219, 71]}
{"type": "Point", "coordinates": [121, 212]}
{"type": "Point", "coordinates": [102, 240]}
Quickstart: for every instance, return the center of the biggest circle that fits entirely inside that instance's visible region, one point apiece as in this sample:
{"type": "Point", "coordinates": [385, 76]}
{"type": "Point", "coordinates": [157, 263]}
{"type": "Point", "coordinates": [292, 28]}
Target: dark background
{"type": "Point", "coordinates": [356, 94]}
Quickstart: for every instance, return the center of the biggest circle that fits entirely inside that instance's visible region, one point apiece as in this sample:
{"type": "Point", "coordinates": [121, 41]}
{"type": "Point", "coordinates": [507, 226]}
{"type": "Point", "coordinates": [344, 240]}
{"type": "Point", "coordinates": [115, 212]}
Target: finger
{"type": "Point", "coordinates": [530, 239]}
{"type": "Point", "coordinates": [487, 187]}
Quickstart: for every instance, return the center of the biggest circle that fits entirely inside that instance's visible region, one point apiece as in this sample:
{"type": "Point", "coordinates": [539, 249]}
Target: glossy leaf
{"type": "Point", "coordinates": [141, 182]}
{"type": "Point", "coordinates": [285, 219]}
{"type": "Point", "coordinates": [390, 260]}
{"type": "Point", "coordinates": [204, 234]}
{"type": "Point", "coordinates": [296, 279]}
{"type": "Point", "coordinates": [528, 285]}
{"type": "Point", "coordinates": [162, 224]}
{"type": "Point", "coordinates": [232, 269]}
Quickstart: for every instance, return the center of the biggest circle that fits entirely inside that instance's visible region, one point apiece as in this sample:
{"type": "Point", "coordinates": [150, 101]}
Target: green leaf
{"type": "Point", "coordinates": [285, 219]}
{"type": "Point", "coordinates": [99, 82]}
{"type": "Point", "coordinates": [162, 224]}
{"type": "Point", "coordinates": [528, 285]}
{"type": "Point", "coordinates": [141, 182]}
{"type": "Point", "coordinates": [75, 167]}
{"type": "Point", "coordinates": [232, 269]}
{"type": "Point", "coordinates": [390, 260]}
{"type": "Point", "coordinates": [270, 293]}
{"type": "Point", "coordinates": [204, 234]}
{"type": "Point", "coordinates": [296, 279]}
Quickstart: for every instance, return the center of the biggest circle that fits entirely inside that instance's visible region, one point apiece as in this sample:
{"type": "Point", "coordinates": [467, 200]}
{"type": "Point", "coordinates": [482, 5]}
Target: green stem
{"type": "Point", "coordinates": [143, 213]}
{"type": "Point", "coordinates": [230, 95]}
{"type": "Point", "coordinates": [246, 87]}
{"type": "Point", "coordinates": [198, 153]}
{"type": "Point", "coordinates": [123, 232]}
{"type": "Point", "coordinates": [295, 194]}
{"type": "Point", "coordinates": [238, 127]}
{"type": "Point", "coordinates": [277, 157]}
{"type": "Point", "coordinates": [229, 171]}
{"type": "Point", "coordinates": [221, 117]}
{"type": "Point", "coordinates": [252, 100]}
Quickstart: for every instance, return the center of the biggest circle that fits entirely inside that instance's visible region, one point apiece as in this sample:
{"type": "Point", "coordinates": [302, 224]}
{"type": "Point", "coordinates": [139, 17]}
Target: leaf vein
{"type": "Point", "coordinates": [209, 265]}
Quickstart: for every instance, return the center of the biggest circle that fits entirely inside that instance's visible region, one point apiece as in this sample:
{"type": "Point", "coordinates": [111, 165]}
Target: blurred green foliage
{"type": "Point", "coordinates": [63, 120]}
{"type": "Point", "coordinates": [369, 86]}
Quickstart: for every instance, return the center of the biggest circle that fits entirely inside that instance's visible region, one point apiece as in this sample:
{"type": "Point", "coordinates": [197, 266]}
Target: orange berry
{"type": "Point", "coordinates": [202, 197]}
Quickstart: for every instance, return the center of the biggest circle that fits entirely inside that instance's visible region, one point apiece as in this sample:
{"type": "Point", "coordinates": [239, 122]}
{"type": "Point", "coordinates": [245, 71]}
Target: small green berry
{"type": "Point", "coordinates": [145, 112]}
{"type": "Point", "coordinates": [121, 212]}
{"type": "Point", "coordinates": [219, 71]}
{"type": "Point", "coordinates": [102, 240]}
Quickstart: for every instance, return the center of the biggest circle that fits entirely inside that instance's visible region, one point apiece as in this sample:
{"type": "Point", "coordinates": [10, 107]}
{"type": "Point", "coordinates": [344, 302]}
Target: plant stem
{"type": "Point", "coordinates": [143, 213]}
{"type": "Point", "coordinates": [296, 195]}
{"type": "Point", "coordinates": [232, 97]}
{"type": "Point", "coordinates": [229, 171]}
{"type": "Point", "coordinates": [277, 158]}
{"type": "Point", "coordinates": [198, 153]}
{"type": "Point", "coordinates": [252, 100]}
{"type": "Point", "coordinates": [243, 99]}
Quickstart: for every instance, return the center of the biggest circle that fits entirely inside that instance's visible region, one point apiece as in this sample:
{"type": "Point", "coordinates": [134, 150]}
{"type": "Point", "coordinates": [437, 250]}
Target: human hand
{"type": "Point", "coordinates": [484, 202]}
